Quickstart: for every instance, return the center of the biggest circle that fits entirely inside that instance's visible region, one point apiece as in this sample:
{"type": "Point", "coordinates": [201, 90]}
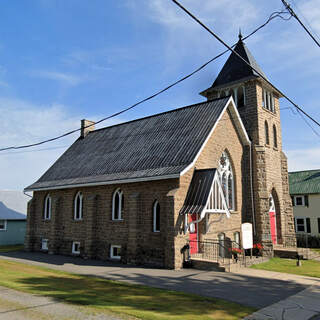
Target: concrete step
{"type": "Point", "coordinates": [201, 264]}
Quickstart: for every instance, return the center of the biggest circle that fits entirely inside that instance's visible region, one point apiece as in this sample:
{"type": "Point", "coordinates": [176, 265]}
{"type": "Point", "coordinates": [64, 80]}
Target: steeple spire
{"type": "Point", "coordinates": [236, 70]}
{"type": "Point", "coordinates": [240, 35]}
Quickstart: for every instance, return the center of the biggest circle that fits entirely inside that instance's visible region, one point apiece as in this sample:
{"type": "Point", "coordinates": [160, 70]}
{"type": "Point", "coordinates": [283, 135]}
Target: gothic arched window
{"type": "Point", "coordinates": [227, 180]}
{"type": "Point", "coordinates": [241, 97]}
{"type": "Point", "coordinates": [117, 205]}
{"type": "Point", "coordinates": [275, 140]}
{"type": "Point", "coordinates": [156, 216]}
{"type": "Point", "coordinates": [78, 206]}
{"type": "Point", "coordinates": [266, 129]}
{"type": "Point", "coordinates": [47, 208]}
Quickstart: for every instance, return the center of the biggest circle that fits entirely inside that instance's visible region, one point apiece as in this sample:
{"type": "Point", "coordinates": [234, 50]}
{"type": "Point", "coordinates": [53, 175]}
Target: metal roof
{"type": "Point", "coordinates": [198, 191]}
{"type": "Point", "coordinates": [155, 146]}
{"type": "Point", "coordinates": [304, 182]}
{"type": "Point", "coordinates": [13, 205]}
{"type": "Point", "coordinates": [236, 69]}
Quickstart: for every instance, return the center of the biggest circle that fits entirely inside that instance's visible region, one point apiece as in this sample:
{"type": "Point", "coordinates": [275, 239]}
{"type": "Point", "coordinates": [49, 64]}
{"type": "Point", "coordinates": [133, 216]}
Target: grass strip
{"type": "Point", "coordinates": [9, 248]}
{"type": "Point", "coordinates": [102, 295]}
{"type": "Point", "coordinates": [309, 268]}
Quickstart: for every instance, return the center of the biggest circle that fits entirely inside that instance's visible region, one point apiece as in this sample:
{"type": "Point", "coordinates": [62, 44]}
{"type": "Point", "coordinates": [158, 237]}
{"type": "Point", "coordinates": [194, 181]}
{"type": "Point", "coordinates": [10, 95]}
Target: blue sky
{"type": "Point", "coordinates": [61, 61]}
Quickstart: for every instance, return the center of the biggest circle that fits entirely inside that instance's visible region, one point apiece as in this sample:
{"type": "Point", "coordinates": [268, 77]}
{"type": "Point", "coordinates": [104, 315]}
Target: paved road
{"type": "Point", "coordinates": [249, 287]}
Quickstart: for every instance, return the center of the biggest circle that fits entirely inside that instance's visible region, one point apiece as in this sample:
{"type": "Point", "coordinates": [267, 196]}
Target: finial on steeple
{"type": "Point", "coordinates": [240, 35]}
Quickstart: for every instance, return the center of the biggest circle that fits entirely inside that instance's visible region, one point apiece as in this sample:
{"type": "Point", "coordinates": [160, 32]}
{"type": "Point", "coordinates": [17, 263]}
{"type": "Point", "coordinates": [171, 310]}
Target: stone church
{"type": "Point", "coordinates": [141, 190]}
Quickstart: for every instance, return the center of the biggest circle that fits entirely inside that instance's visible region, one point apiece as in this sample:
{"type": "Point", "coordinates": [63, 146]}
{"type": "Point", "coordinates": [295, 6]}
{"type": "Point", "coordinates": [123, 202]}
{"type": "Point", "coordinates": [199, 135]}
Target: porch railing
{"type": "Point", "coordinates": [223, 252]}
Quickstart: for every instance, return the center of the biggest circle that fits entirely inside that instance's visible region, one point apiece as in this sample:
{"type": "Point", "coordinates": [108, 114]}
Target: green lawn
{"type": "Point", "coordinates": [309, 268]}
{"type": "Point", "coordinates": [100, 295]}
{"type": "Point", "coordinates": [15, 247]}
{"type": "Point", "coordinates": [316, 250]}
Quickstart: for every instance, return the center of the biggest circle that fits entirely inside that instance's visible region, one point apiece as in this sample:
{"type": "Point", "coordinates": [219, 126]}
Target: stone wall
{"type": "Point", "coordinates": [224, 138]}
{"type": "Point", "coordinates": [96, 232]}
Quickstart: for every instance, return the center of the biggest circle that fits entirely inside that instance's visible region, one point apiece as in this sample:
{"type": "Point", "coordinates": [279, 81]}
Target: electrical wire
{"type": "Point", "coordinates": [291, 11]}
{"type": "Point", "coordinates": [239, 56]}
{"type": "Point", "coordinates": [252, 115]}
{"type": "Point", "coordinates": [306, 20]}
{"type": "Point", "coordinates": [276, 14]}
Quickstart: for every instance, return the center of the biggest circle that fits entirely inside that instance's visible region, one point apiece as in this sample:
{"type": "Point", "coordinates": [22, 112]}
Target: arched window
{"type": "Point", "coordinates": [156, 216]}
{"type": "Point", "coordinates": [47, 208]}
{"type": "Point", "coordinates": [117, 205]}
{"type": "Point", "coordinates": [227, 180]}
{"type": "Point", "coordinates": [266, 129]}
{"type": "Point", "coordinates": [240, 97]}
{"type": "Point", "coordinates": [78, 206]}
{"type": "Point", "coordinates": [275, 140]}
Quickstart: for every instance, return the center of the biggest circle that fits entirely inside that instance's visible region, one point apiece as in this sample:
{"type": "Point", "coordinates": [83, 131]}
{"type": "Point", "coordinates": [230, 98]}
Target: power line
{"type": "Point", "coordinates": [276, 14]}
{"type": "Point", "coordinates": [306, 20]}
{"type": "Point", "coordinates": [249, 116]}
{"type": "Point", "coordinates": [291, 11]}
{"type": "Point", "coordinates": [239, 56]}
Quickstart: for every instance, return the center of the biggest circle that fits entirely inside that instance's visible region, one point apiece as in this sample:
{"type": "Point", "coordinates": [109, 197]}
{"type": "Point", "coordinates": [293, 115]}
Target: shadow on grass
{"type": "Point", "coordinates": [139, 301]}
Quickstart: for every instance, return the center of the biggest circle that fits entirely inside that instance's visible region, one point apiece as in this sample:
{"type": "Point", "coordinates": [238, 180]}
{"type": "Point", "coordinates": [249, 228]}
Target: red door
{"type": "Point", "coordinates": [273, 226]}
{"type": "Point", "coordinates": [273, 221]}
{"type": "Point", "coordinates": [193, 236]}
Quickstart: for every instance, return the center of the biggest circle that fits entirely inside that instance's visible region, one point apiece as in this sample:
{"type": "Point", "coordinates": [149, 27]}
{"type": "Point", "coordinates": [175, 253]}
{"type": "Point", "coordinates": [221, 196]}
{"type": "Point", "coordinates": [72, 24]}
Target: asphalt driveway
{"type": "Point", "coordinates": [256, 288]}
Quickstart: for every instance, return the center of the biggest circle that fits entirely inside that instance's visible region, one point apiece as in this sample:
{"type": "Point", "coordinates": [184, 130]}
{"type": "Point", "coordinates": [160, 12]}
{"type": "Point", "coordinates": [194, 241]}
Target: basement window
{"type": "Point", "coordinates": [115, 252]}
{"type": "Point", "coordinates": [76, 247]}
{"type": "Point", "coordinates": [44, 244]}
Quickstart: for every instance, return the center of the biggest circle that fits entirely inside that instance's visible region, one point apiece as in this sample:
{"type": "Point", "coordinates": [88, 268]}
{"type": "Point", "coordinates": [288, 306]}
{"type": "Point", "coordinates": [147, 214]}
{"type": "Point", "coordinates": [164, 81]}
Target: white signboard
{"type": "Point", "coordinates": [247, 238]}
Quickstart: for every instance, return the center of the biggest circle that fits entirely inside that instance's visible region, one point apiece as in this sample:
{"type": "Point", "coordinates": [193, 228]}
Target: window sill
{"type": "Point", "coordinates": [3, 230]}
{"type": "Point", "coordinates": [267, 110]}
{"type": "Point", "coordinates": [77, 220]}
{"type": "Point", "coordinates": [156, 232]}
{"type": "Point", "coordinates": [275, 149]}
{"type": "Point", "coordinates": [117, 220]}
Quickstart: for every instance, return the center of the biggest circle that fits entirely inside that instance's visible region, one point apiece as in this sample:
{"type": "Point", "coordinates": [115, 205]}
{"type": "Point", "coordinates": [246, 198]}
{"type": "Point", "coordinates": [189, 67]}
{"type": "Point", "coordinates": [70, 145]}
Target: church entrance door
{"type": "Point", "coordinates": [273, 220]}
{"type": "Point", "coordinates": [193, 236]}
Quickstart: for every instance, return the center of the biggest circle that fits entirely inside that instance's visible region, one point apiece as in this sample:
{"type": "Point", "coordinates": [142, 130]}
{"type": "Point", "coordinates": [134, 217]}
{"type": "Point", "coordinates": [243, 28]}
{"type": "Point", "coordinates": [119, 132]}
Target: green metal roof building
{"type": "Point", "coordinates": [304, 182]}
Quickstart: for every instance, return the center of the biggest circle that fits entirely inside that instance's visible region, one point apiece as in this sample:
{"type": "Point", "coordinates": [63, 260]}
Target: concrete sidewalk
{"type": "Point", "coordinates": [251, 287]}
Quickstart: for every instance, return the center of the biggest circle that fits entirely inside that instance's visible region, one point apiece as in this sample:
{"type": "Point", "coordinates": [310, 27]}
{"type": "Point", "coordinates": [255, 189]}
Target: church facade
{"type": "Point", "coordinates": [139, 191]}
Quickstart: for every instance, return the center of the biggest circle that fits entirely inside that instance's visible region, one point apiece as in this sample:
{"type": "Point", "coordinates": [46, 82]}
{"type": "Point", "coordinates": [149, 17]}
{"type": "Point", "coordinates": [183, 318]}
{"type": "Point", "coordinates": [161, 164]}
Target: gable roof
{"type": "Point", "coordinates": [304, 182]}
{"type": "Point", "coordinates": [13, 205]}
{"type": "Point", "coordinates": [198, 191]}
{"type": "Point", "coordinates": [155, 147]}
{"type": "Point", "coordinates": [236, 69]}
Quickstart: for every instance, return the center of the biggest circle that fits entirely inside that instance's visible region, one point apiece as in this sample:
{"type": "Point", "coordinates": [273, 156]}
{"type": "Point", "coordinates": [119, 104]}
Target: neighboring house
{"type": "Point", "coordinates": [13, 209]}
{"type": "Point", "coordinates": [141, 190]}
{"type": "Point", "coordinates": [305, 194]}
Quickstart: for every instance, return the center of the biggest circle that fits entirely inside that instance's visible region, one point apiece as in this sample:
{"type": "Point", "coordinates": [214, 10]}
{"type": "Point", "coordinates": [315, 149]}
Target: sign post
{"type": "Point", "coordinates": [247, 238]}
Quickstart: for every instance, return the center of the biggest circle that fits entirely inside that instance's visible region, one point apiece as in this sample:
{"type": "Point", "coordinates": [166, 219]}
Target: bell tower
{"type": "Point", "coordinates": [258, 105]}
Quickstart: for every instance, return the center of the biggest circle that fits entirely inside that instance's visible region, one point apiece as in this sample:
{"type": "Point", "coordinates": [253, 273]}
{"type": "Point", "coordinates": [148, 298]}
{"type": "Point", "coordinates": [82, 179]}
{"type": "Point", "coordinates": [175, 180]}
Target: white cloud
{"type": "Point", "coordinates": [25, 123]}
{"type": "Point", "coordinates": [66, 78]}
{"type": "Point", "coordinates": [303, 159]}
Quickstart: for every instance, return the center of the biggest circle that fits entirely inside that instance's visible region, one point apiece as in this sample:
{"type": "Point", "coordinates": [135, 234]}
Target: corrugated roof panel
{"type": "Point", "coordinates": [158, 145]}
{"type": "Point", "coordinates": [304, 182]}
{"type": "Point", "coordinates": [199, 191]}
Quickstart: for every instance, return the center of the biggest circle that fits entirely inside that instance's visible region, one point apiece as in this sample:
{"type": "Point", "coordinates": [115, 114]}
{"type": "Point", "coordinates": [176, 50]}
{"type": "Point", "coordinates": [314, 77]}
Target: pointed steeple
{"type": "Point", "coordinates": [235, 70]}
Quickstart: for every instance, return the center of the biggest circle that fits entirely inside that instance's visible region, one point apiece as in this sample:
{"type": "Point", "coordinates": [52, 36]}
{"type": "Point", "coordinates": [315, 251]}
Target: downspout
{"type": "Point", "coordinates": [251, 190]}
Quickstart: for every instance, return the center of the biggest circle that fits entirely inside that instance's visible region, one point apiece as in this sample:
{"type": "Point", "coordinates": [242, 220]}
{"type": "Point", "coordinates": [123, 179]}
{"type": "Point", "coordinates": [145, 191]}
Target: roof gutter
{"type": "Point", "coordinates": [102, 183]}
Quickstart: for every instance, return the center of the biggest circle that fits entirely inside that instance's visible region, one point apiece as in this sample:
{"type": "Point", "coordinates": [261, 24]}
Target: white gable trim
{"type": "Point", "coordinates": [238, 123]}
{"type": "Point", "coordinates": [206, 210]}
